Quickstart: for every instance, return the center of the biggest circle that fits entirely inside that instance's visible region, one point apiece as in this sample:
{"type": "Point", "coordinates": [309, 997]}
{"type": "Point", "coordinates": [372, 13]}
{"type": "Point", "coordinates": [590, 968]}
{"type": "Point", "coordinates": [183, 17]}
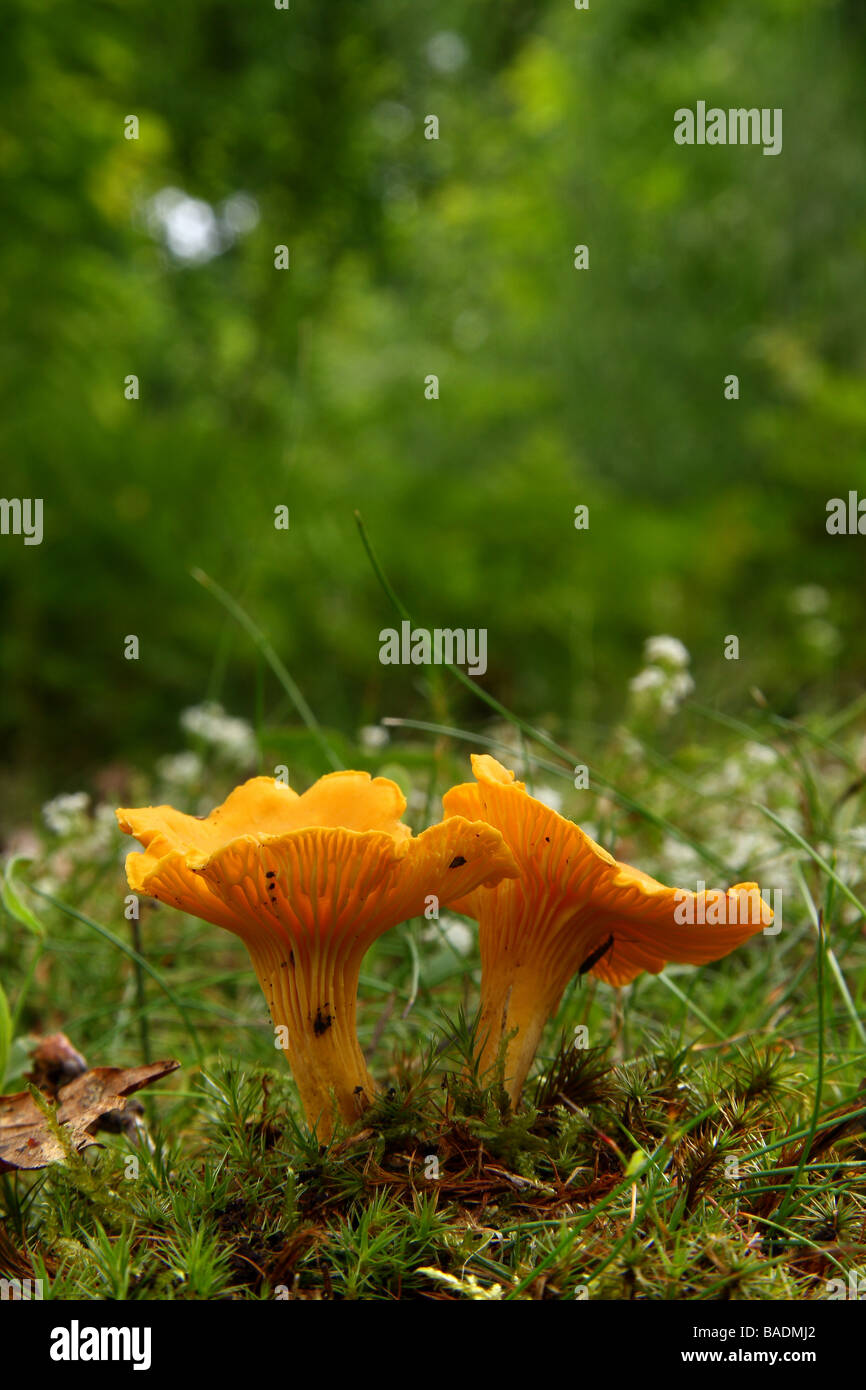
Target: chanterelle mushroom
{"type": "Point", "coordinates": [308, 883]}
{"type": "Point", "coordinates": [574, 909]}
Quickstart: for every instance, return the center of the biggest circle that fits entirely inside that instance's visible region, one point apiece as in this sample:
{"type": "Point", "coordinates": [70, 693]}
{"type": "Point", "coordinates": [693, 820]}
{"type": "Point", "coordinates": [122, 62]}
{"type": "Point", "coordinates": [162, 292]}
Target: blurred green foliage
{"type": "Point", "coordinates": [410, 257]}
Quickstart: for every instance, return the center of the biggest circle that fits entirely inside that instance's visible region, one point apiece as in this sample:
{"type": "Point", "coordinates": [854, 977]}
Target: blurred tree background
{"type": "Point", "coordinates": [410, 257]}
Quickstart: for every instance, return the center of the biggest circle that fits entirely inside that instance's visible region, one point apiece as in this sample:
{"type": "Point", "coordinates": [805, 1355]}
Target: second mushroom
{"type": "Point", "coordinates": [573, 910]}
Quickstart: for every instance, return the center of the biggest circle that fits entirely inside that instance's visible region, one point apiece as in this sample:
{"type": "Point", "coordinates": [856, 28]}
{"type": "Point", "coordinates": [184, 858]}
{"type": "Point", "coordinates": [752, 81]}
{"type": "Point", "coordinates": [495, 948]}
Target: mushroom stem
{"type": "Point", "coordinates": [311, 995]}
{"type": "Point", "coordinates": [513, 997]}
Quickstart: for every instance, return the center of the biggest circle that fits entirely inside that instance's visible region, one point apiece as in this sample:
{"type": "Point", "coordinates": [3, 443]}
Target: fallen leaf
{"type": "Point", "coordinates": [26, 1137]}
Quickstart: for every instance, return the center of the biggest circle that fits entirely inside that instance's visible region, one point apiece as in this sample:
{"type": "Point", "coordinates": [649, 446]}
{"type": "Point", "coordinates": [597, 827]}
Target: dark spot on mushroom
{"type": "Point", "coordinates": [595, 956]}
{"type": "Point", "coordinates": [547, 838]}
{"type": "Point", "coordinates": [456, 863]}
{"type": "Point", "coordinates": [272, 873]}
{"type": "Point", "coordinates": [323, 1019]}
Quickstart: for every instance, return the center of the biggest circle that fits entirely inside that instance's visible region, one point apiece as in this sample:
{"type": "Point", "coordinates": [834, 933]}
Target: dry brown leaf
{"type": "Point", "coordinates": [26, 1138]}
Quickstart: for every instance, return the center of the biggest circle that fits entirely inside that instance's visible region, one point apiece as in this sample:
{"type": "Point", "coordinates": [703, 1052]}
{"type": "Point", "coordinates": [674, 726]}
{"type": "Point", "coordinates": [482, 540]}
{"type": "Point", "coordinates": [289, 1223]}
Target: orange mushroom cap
{"type": "Point", "coordinates": [574, 909]}
{"type": "Point", "coordinates": [309, 882]}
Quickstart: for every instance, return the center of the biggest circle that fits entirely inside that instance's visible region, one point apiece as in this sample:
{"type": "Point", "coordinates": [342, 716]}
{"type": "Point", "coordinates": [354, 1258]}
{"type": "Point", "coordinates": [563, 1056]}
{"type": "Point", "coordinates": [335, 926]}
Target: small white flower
{"type": "Point", "coordinates": [682, 685]}
{"type": "Point", "coordinates": [416, 800]}
{"type": "Point", "coordinates": [105, 822]}
{"type": "Point", "coordinates": [550, 797]}
{"type": "Point", "coordinates": [680, 861]}
{"type": "Point", "coordinates": [372, 737]}
{"type": "Point", "coordinates": [458, 935]}
{"type": "Point", "coordinates": [670, 651]}
{"type": "Point", "coordinates": [665, 687]}
{"type": "Point", "coordinates": [232, 738]}
{"type": "Point", "coordinates": [761, 753]}
{"type": "Point", "coordinates": [66, 812]}
{"type": "Point", "coordinates": [631, 746]}
{"type": "Point", "coordinates": [747, 846]}
{"type": "Point", "coordinates": [180, 769]}
{"type": "Point", "coordinates": [103, 834]}
{"type": "Point", "coordinates": [651, 678]}
{"type": "Point", "coordinates": [731, 775]}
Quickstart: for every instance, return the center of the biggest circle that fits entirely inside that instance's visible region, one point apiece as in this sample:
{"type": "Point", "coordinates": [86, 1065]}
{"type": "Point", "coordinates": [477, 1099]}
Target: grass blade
{"type": "Point", "coordinates": [264, 646]}
{"type": "Point", "coordinates": [133, 955]}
